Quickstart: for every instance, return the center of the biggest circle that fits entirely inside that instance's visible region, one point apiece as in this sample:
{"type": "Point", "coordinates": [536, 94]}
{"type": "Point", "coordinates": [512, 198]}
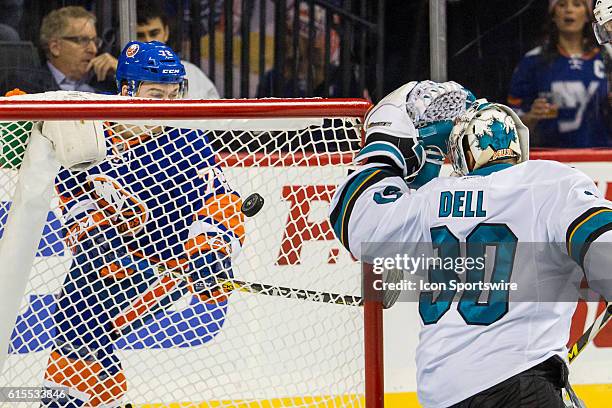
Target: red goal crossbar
{"type": "Point", "coordinates": [182, 109]}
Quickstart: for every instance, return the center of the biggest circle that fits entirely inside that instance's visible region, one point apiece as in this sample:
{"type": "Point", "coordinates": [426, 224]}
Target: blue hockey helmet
{"type": "Point", "coordinates": [149, 62]}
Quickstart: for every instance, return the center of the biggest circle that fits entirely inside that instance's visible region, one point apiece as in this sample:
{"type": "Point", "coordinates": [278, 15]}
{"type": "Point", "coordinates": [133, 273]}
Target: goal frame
{"type": "Point", "coordinates": [30, 110]}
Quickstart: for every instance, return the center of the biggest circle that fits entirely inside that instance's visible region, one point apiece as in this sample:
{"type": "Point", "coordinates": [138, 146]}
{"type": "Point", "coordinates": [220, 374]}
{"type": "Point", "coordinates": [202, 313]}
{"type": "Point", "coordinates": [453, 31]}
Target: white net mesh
{"type": "Point", "coordinates": [126, 299]}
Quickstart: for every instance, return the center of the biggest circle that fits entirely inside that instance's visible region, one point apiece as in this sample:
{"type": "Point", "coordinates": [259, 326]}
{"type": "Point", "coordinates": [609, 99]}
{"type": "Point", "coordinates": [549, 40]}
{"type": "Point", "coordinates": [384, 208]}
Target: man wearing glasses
{"type": "Point", "coordinates": [70, 42]}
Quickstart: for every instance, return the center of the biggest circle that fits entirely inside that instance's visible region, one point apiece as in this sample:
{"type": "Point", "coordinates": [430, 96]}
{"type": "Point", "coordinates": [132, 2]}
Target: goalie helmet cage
{"type": "Point", "coordinates": [253, 350]}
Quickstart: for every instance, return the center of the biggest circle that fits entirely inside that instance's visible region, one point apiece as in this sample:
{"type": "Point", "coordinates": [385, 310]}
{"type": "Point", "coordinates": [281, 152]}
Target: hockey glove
{"type": "Point", "coordinates": [410, 122]}
{"type": "Point", "coordinates": [434, 139]}
{"type": "Point", "coordinates": [429, 102]}
{"type": "Point", "coordinates": [434, 107]}
{"type": "Point", "coordinates": [208, 272]}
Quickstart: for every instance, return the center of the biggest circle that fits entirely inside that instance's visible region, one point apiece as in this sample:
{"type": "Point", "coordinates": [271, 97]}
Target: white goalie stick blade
{"type": "Point", "coordinates": [599, 323]}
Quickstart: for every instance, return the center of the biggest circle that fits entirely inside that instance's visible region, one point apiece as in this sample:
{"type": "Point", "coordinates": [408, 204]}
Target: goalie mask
{"type": "Point", "coordinates": [149, 62]}
{"type": "Point", "coordinates": [493, 131]}
{"type": "Point", "coordinates": [602, 26]}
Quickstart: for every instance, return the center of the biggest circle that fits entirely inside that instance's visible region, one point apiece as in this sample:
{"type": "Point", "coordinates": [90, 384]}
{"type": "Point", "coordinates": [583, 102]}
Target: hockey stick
{"type": "Point", "coordinates": [230, 285]}
{"type": "Point", "coordinates": [173, 280]}
{"type": "Point", "coordinates": [599, 323]}
{"type": "Point", "coordinates": [290, 293]}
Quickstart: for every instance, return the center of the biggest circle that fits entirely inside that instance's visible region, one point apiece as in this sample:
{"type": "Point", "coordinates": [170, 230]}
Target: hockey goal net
{"type": "Point", "coordinates": [107, 312]}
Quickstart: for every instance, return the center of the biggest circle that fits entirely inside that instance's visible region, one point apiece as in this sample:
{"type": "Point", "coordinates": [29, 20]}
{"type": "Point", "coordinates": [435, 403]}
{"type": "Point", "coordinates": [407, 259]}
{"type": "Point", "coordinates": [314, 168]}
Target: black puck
{"type": "Point", "coordinates": [252, 204]}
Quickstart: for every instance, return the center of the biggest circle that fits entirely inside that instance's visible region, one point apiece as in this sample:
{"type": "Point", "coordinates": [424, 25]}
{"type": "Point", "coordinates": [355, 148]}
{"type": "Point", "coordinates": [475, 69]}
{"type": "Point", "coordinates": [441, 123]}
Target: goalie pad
{"type": "Point", "coordinates": [79, 144]}
{"type": "Point", "coordinates": [391, 136]}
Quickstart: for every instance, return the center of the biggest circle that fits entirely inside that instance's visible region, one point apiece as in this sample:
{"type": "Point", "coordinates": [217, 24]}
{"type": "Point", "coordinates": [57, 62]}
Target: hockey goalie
{"type": "Point", "coordinates": [153, 221]}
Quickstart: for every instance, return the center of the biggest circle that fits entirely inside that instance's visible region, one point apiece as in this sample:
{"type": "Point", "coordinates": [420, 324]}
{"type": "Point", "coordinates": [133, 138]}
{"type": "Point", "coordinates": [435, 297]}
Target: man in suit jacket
{"type": "Point", "coordinates": [69, 40]}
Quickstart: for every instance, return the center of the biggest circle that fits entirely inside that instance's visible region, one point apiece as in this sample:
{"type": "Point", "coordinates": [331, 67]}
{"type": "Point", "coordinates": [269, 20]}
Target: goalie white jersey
{"type": "Point", "coordinates": [472, 342]}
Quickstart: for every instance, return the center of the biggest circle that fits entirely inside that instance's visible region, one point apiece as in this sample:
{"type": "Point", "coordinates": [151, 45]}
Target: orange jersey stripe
{"type": "Point", "coordinates": [145, 302]}
{"type": "Point", "coordinates": [203, 243]}
{"type": "Point", "coordinates": [86, 377]}
{"type": "Point", "coordinates": [225, 208]}
{"type": "Point", "coordinates": [83, 226]}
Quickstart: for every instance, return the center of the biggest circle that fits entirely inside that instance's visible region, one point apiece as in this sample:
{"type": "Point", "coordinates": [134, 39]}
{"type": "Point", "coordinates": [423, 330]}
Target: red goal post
{"type": "Point", "coordinates": [281, 173]}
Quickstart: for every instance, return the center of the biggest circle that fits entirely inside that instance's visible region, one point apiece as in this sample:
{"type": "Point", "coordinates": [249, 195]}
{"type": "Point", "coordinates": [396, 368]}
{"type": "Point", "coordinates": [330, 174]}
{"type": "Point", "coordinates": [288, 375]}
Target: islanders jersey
{"type": "Point", "coordinates": [579, 88]}
{"type": "Point", "coordinates": [469, 344]}
{"type": "Point", "coordinates": [161, 190]}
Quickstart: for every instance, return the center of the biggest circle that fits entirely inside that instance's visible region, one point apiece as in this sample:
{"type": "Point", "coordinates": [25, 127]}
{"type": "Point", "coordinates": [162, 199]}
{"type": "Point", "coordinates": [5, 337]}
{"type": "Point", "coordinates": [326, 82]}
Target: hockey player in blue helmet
{"type": "Point", "coordinates": [150, 70]}
{"type": "Point", "coordinates": [159, 202]}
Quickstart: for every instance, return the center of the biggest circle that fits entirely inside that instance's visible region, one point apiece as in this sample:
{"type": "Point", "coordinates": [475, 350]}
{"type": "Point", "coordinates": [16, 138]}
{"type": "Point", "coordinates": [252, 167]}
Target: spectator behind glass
{"type": "Point", "coordinates": [297, 87]}
{"type": "Point", "coordinates": [8, 33]}
{"type": "Point", "coordinates": [69, 39]}
{"type": "Point", "coordinates": [153, 26]}
{"type": "Point", "coordinates": [559, 89]}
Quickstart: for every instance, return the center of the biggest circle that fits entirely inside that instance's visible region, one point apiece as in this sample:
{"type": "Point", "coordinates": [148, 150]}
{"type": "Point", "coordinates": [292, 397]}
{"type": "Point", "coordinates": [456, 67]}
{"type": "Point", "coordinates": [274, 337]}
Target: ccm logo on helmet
{"type": "Point", "coordinates": [170, 71]}
{"type": "Point", "coordinates": [132, 50]}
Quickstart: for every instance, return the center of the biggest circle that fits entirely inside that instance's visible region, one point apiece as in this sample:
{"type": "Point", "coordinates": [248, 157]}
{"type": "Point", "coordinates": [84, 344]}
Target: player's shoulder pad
{"type": "Point", "coordinates": [436, 183]}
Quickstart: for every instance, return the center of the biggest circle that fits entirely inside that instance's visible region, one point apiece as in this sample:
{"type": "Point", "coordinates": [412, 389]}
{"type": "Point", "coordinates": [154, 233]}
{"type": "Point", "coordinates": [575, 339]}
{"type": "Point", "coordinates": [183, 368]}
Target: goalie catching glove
{"type": "Point", "coordinates": [409, 128]}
